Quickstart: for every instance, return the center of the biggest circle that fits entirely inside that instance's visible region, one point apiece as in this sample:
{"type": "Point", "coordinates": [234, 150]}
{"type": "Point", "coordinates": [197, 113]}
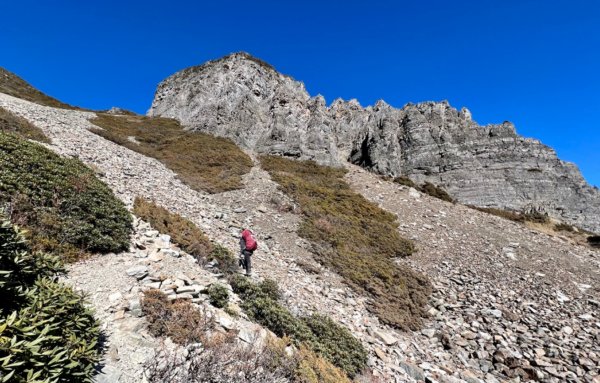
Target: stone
{"type": "Point", "coordinates": [139, 272]}
{"type": "Point", "coordinates": [387, 338]}
{"type": "Point", "coordinates": [413, 371]}
{"type": "Point", "coordinates": [567, 330]}
{"type": "Point", "coordinates": [381, 355]}
{"type": "Point", "coordinates": [135, 308]}
{"type": "Point", "coordinates": [115, 298]}
{"type": "Point", "coordinates": [108, 374]}
{"type": "Point", "coordinates": [428, 332]}
{"type": "Point", "coordinates": [170, 252]}
{"type": "Point", "coordinates": [246, 100]}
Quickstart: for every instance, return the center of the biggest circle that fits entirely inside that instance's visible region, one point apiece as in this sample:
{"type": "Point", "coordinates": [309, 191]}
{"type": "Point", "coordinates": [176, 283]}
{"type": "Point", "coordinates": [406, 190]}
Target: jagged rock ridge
{"type": "Point", "coordinates": [247, 100]}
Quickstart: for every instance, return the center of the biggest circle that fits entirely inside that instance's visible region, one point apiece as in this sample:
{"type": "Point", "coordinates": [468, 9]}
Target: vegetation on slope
{"type": "Point", "coordinates": [66, 210]}
{"type": "Point", "coordinates": [355, 238]}
{"type": "Point", "coordinates": [427, 188]}
{"type": "Point", "coordinates": [11, 123]}
{"type": "Point", "coordinates": [46, 332]}
{"type": "Point", "coordinates": [185, 234]}
{"type": "Point", "coordinates": [15, 86]}
{"type": "Point", "coordinates": [202, 161]}
{"type": "Point", "coordinates": [317, 332]}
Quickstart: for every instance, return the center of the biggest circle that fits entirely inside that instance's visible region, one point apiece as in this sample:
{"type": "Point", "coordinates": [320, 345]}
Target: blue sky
{"type": "Point", "coordinates": [535, 63]}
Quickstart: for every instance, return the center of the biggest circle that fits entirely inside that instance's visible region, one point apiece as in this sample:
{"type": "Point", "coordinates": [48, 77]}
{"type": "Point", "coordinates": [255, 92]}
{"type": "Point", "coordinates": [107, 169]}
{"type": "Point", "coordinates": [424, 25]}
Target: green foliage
{"type": "Point", "coordinates": [336, 344]}
{"type": "Point", "coordinates": [322, 335]}
{"type": "Point", "coordinates": [11, 123]}
{"type": "Point", "coordinates": [46, 332]}
{"type": "Point", "coordinates": [202, 161]}
{"type": "Point", "coordinates": [61, 203]}
{"type": "Point", "coordinates": [218, 295]}
{"type": "Point", "coordinates": [355, 238]}
{"type": "Point", "coordinates": [435, 191]}
{"type": "Point", "coordinates": [227, 263]}
{"type": "Point", "coordinates": [535, 217]}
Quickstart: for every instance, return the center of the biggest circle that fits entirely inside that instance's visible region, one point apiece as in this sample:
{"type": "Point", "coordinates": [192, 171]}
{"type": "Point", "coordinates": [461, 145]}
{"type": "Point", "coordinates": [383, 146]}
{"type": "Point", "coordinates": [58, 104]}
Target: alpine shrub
{"type": "Point", "coordinates": [46, 332]}
{"type": "Point", "coordinates": [218, 295]}
{"type": "Point", "coordinates": [64, 207]}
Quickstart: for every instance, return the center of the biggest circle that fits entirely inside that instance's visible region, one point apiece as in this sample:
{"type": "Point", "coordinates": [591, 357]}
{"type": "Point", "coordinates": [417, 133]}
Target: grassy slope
{"type": "Point", "coordinates": [355, 238]}
{"type": "Point", "coordinates": [202, 161]}
{"type": "Point", "coordinates": [15, 86]}
{"type": "Point", "coordinates": [11, 123]}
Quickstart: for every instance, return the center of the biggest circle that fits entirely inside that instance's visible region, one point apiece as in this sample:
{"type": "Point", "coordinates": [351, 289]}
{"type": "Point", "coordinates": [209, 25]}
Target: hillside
{"type": "Point", "coordinates": [508, 302]}
{"type": "Point", "coordinates": [248, 101]}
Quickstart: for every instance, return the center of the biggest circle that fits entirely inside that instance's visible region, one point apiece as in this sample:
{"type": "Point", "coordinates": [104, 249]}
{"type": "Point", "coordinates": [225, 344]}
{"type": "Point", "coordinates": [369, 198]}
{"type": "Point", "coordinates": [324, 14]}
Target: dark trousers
{"type": "Point", "coordinates": [247, 261]}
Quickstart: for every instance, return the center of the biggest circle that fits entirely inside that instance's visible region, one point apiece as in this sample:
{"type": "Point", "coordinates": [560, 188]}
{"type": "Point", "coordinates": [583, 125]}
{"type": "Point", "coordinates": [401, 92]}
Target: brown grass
{"type": "Point", "coordinates": [11, 123]}
{"type": "Point", "coordinates": [355, 238]}
{"type": "Point", "coordinates": [203, 162]}
{"type": "Point", "coordinates": [184, 233]}
{"type": "Point", "coordinates": [179, 319]}
{"type": "Point", "coordinates": [15, 86]}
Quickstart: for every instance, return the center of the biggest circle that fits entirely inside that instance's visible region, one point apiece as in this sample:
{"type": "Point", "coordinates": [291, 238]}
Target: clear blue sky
{"type": "Point", "coordinates": [535, 63]}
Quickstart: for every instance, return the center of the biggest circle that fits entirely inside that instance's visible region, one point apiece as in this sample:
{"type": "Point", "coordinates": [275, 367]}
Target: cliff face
{"type": "Point", "coordinates": [247, 100]}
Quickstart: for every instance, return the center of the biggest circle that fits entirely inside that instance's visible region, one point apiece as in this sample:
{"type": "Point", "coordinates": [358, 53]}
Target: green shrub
{"type": "Point", "coordinates": [218, 295]}
{"type": "Point", "coordinates": [202, 161]}
{"type": "Point", "coordinates": [336, 344]}
{"type": "Point", "coordinates": [46, 331]}
{"type": "Point", "coordinates": [435, 191]}
{"type": "Point", "coordinates": [322, 335]}
{"type": "Point", "coordinates": [226, 262]}
{"type": "Point", "coordinates": [355, 238]}
{"type": "Point", "coordinates": [11, 123]}
{"type": "Point", "coordinates": [61, 203]}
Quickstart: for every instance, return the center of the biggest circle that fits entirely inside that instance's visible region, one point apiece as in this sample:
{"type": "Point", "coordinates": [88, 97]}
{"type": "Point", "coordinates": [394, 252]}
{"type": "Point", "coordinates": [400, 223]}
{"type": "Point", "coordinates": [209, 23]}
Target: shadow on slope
{"type": "Point", "coordinates": [355, 238]}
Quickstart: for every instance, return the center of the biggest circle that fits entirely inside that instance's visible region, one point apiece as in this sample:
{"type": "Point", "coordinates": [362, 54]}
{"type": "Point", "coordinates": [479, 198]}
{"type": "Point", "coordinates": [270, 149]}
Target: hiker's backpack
{"type": "Point", "coordinates": [251, 243]}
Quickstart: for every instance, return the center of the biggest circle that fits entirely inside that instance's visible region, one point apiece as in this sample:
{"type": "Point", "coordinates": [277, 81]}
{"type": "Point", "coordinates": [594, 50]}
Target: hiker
{"type": "Point", "coordinates": [247, 246]}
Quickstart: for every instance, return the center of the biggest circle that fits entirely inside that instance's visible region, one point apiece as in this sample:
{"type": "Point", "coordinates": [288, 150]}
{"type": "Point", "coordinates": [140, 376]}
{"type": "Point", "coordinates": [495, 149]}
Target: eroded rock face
{"type": "Point", "coordinates": [247, 100]}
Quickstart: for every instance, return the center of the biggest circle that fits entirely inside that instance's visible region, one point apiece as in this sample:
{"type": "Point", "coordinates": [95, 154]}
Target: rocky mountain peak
{"type": "Point", "coordinates": [247, 100]}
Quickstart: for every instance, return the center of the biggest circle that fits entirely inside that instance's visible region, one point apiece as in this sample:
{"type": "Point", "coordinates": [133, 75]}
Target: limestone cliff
{"type": "Point", "coordinates": [247, 100]}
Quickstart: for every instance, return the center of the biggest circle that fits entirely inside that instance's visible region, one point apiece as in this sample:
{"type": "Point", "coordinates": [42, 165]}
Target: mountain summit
{"type": "Point", "coordinates": [247, 100]}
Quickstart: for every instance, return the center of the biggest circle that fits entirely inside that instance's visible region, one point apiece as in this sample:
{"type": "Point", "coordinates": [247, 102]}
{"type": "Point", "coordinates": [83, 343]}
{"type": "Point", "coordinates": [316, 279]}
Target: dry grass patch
{"type": "Point", "coordinates": [185, 234]}
{"type": "Point", "coordinates": [11, 123]}
{"type": "Point", "coordinates": [201, 161]}
{"type": "Point", "coordinates": [15, 86]}
{"type": "Point", "coordinates": [355, 238]}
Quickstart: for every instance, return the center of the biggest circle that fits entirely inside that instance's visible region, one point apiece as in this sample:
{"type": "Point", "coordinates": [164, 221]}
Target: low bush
{"type": "Point", "coordinates": [65, 208]}
{"type": "Point", "coordinates": [218, 295]}
{"type": "Point", "coordinates": [355, 238]}
{"type": "Point", "coordinates": [336, 344]}
{"type": "Point", "coordinates": [315, 369]}
{"type": "Point", "coordinates": [535, 217]}
{"type": "Point", "coordinates": [179, 319]}
{"type": "Point", "coordinates": [185, 234]}
{"type": "Point", "coordinates": [46, 332]}
{"type": "Point", "coordinates": [435, 191]}
{"type": "Point", "coordinates": [11, 123]}
{"type": "Point", "coordinates": [326, 338]}
{"type": "Point", "coordinates": [202, 161]}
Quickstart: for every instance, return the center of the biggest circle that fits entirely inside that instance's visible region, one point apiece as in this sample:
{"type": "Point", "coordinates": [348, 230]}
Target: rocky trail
{"type": "Point", "coordinates": [508, 300]}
